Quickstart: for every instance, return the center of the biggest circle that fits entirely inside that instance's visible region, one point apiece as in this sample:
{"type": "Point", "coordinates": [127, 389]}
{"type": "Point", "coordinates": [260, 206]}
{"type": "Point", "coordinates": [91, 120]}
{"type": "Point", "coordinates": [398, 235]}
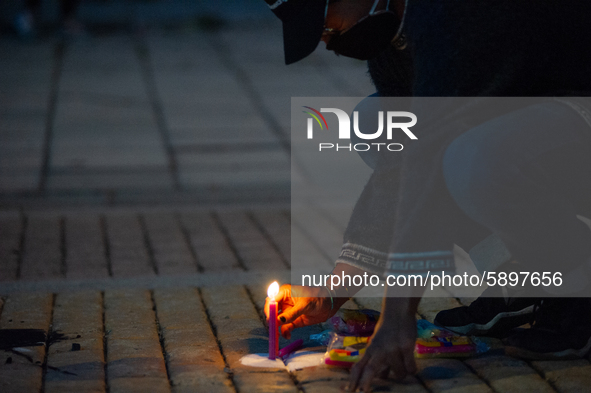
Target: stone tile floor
{"type": "Point", "coordinates": [165, 300]}
{"type": "Point", "coordinates": [166, 116]}
{"type": "Point", "coordinates": [144, 190]}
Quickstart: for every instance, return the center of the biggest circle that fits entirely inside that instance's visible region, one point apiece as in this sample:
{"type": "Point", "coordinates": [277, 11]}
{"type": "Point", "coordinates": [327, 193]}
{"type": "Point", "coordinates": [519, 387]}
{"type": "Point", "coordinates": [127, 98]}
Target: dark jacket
{"type": "Point", "coordinates": [405, 221]}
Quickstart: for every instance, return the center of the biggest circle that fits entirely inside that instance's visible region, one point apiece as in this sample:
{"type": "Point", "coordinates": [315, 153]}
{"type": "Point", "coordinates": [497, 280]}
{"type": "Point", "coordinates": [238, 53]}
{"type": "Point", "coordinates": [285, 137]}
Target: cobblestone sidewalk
{"type": "Point", "coordinates": [112, 152]}
{"type": "Point", "coordinates": [166, 117]}
{"type": "Point", "coordinates": [163, 317]}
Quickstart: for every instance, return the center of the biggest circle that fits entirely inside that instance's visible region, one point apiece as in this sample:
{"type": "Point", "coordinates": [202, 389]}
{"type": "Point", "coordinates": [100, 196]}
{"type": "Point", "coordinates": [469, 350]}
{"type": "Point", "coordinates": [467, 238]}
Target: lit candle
{"type": "Point", "coordinates": [273, 336]}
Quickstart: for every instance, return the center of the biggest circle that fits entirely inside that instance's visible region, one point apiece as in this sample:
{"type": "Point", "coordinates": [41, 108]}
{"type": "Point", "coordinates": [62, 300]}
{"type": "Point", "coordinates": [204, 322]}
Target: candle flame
{"type": "Point", "coordinates": [273, 290]}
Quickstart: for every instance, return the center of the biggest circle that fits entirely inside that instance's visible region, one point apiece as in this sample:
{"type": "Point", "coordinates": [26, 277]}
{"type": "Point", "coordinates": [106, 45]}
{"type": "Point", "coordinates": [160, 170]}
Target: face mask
{"type": "Point", "coordinates": [368, 37]}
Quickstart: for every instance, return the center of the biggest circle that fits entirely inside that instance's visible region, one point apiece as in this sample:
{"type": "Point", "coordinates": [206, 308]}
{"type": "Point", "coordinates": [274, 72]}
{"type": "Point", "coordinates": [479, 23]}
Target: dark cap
{"type": "Point", "coordinates": [303, 24]}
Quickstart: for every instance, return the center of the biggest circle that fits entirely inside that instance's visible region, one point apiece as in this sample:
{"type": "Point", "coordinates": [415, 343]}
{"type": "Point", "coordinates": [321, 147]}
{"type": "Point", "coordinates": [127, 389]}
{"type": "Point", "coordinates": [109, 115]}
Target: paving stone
{"type": "Point", "coordinates": [103, 104]}
{"type": "Point", "coordinates": [42, 257]}
{"type": "Point", "coordinates": [72, 115]}
{"type": "Point", "coordinates": [29, 124]}
{"type": "Point", "coordinates": [319, 379]}
{"type": "Point", "coordinates": [248, 158]}
{"type": "Point", "coordinates": [20, 158]}
{"type": "Point", "coordinates": [78, 371]}
{"type": "Point", "coordinates": [11, 227]}
{"type": "Point", "coordinates": [211, 247]}
{"type": "Point", "coordinates": [23, 360]}
{"type": "Point", "coordinates": [19, 377]}
{"type": "Point", "coordinates": [78, 316]}
{"type": "Point", "coordinates": [170, 84]}
{"type": "Point", "coordinates": [291, 78]}
{"type": "Point", "coordinates": [410, 384]}
{"type": "Point", "coordinates": [197, 117]}
{"type": "Point", "coordinates": [140, 330]}
{"type": "Point", "coordinates": [133, 347]}
{"type": "Point", "coordinates": [85, 249]}
{"type": "Point", "coordinates": [135, 302]}
{"type": "Point", "coordinates": [253, 248]}
{"type": "Point", "coordinates": [78, 313]}
{"type": "Point", "coordinates": [63, 350]}
{"type": "Point", "coordinates": [277, 225]}
{"type": "Point", "coordinates": [124, 352]}
{"type": "Point", "coordinates": [21, 54]}
{"type": "Point", "coordinates": [170, 250]}
{"type": "Point", "coordinates": [213, 180]}
{"type": "Point", "coordinates": [127, 247]}
{"type": "Point", "coordinates": [112, 63]}
{"type": "Point", "coordinates": [267, 52]}
{"type": "Point", "coordinates": [121, 82]}
{"type": "Point", "coordinates": [449, 375]}
{"type": "Point", "coordinates": [193, 353]}
{"type": "Point", "coordinates": [185, 139]}
{"type": "Point", "coordinates": [241, 332]}
{"type": "Point", "coordinates": [141, 179]}
{"type": "Point", "coordinates": [139, 384]}
{"type": "Point", "coordinates": [30, 96]}
{"type": "Point", "coordinates": [260, 381]}
{"type": "Point", "coordinates": [566, 375]}
{"type": "Point", "coordinates": [322, 379]}
{"type": "Point", "coordinates": [24, 311]}
{"type": "Point", "coordinates": [129, 315]}
{"type": "Point", "coordinates": [77, 386]}
{"type": "Point", "coordinates": [193, 356]}
{"type": "Point", "coordinates": [111, 154]}
{"type": "Point", "coordinates": [28, 182]}
{"type": "Point", "coordinates": [118, 136]}
{"type": "Point", "coordinates": [175, 87]}
{"type": "Point", "coordinates": [505, 374]}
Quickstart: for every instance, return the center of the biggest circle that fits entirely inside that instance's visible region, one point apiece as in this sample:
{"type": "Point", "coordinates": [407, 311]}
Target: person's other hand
{"type": "Point", "coordinates": [301, 306]}
{"type": "Point", "coordinates": [391, 349]}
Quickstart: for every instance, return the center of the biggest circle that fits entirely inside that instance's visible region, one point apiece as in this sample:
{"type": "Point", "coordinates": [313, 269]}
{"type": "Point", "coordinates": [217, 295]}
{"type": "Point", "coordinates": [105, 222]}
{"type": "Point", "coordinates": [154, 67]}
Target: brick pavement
{"type": "Point", "coordinates": [166, 334]}
{"type": "Point", "coordinates": [136, 297]}
{"type": "Point", "coordinates": [165, 117]}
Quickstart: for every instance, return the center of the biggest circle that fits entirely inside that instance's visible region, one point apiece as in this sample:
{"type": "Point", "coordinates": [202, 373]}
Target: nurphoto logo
{"type": "Point", "coordinates": [392, 120]}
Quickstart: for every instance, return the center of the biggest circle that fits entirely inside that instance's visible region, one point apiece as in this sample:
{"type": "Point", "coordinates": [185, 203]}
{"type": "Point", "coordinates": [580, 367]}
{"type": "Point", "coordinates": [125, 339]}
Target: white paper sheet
{"type": "Point", "coordinates": [296, 361]}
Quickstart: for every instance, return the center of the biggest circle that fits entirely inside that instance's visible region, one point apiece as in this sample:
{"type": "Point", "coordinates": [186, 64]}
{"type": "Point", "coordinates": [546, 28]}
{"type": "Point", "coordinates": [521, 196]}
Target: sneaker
{"type": "Point", "coordinates": [561, 330]}
{"type": "Point", "coordinates": [488, 316]}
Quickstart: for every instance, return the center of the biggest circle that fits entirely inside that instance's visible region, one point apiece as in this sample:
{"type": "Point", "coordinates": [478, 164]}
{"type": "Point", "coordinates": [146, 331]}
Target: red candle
{"type": "Point", "coordinates": [273, 336]}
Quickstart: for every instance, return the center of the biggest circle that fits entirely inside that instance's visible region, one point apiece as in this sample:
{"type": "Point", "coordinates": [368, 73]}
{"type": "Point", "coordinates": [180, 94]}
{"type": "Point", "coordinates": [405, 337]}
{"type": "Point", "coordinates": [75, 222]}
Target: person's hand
{"type": "Point", "coordinates": [391, 349]}
{"type": "Point", "coordinates": [301, 306]}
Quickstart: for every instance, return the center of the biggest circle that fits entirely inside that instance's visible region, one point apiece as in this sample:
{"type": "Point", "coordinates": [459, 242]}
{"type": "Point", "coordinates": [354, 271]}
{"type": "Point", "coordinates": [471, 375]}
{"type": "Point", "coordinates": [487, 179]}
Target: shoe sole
{"type": "Point", "coordinates": [560, 355]}
{"type": "Point", "coordinates": [474, 329]}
